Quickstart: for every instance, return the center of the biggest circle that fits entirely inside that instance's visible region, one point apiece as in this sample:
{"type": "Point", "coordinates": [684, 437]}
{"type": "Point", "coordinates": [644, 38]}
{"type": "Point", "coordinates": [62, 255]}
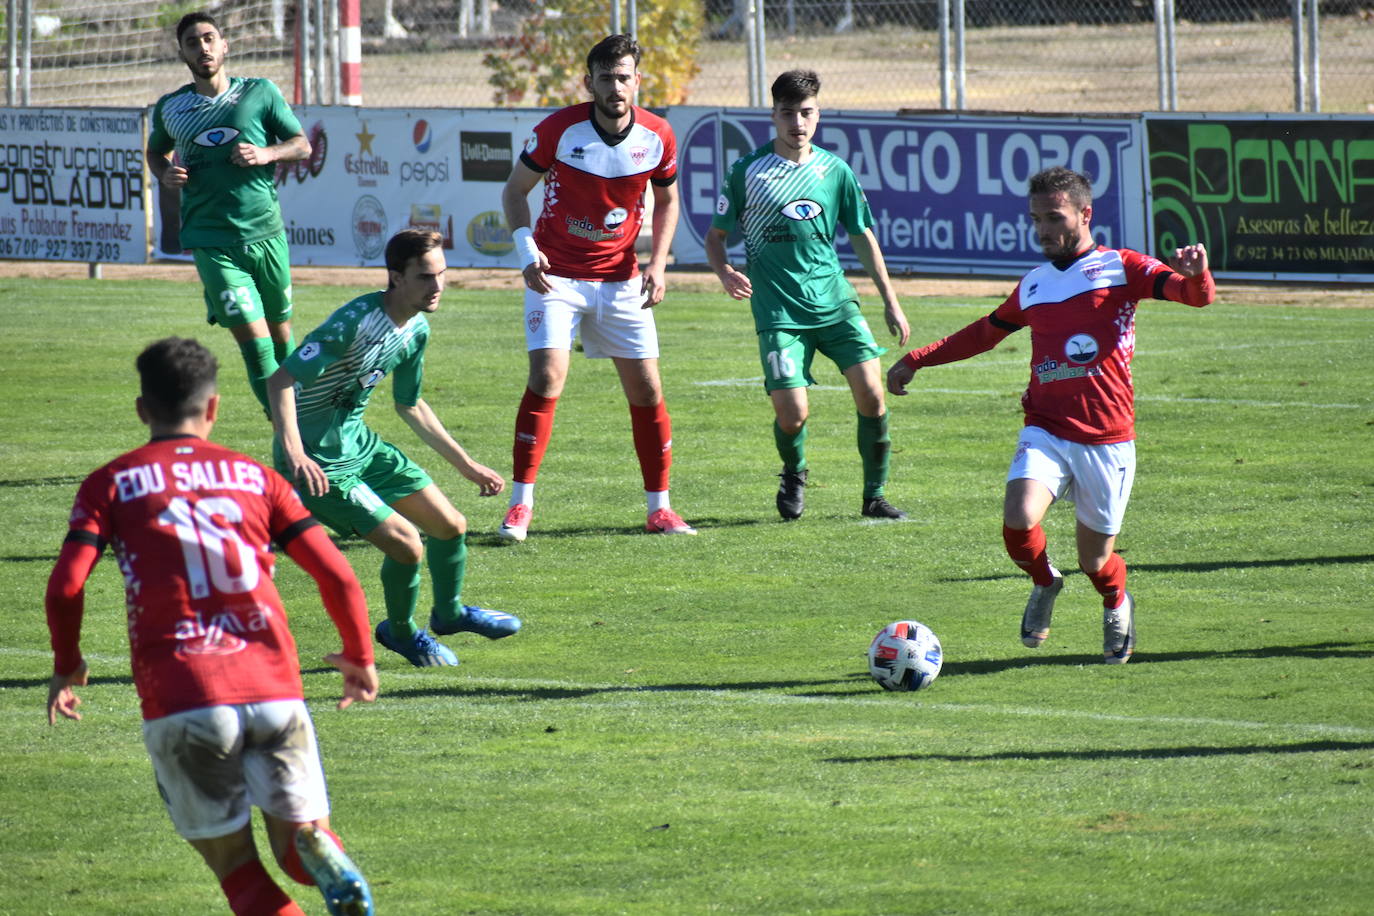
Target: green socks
{"type": "Point", "coordinates": [400, 591]}
{"type": "Point", "coordinates": [792, 449]}
{"type": "Point", "coordinates": [260, 360]}
{"type": "Point", "coordinates": [874, 449]}
{"type": "Point", "coordinates": [285, 349]}
{"type": "Point", "coordinates": [447, 561]}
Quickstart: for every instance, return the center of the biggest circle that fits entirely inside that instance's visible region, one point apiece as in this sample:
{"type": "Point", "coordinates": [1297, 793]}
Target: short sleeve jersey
{"type": "Point", "coordinates": [191, 524]}
{"type": "Point", "coordinates": [789, 213]}
{"type": "Point", "coordinates": [594, 189]}
{"type": "Point", "coordinates": [1082, 321]}
{"type": "Point", "coordinates": [223, 204]}
{"type": "Point", "coordinates": [337, 367]}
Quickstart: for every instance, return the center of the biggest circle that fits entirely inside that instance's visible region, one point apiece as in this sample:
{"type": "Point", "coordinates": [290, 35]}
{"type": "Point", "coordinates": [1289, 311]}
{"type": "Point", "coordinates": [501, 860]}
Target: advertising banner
{"type": "Point", "coordinates": [71, 185]}
{"type": "Point", "coordinates": [1271, 197]}
{"type": "Point", "coordinates": [373, 172]}
{"type": "Point", "coordinates": [948, 192]}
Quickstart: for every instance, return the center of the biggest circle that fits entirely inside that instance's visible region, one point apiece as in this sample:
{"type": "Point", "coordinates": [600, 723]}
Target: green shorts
{"type": "Point", "coordinates": [786, 353]}
{"type": "Point", "coordinates": [246, 282]}
{"type": "Point", "coordinates": [358, 502]}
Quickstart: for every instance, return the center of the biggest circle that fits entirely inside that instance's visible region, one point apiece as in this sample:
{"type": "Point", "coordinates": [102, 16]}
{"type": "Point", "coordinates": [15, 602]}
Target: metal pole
{"type": "Point", "coordinates": [1299, 63]}
{"type": "Point", "coordinates": [1171, 43]}
{"type": "Point", "coordinates": [960, 64]}
{"type": "Point", "coordinates": [321, 67]}
{"type": "Point", "coordinates": [1160, 54]}
{"type": "Point", "coordinates": [11, 51]}
{"type": "Point", "coordinates": [484, 18]}
{"type": "Point", "coordinates": [945, 76]}
{"type": "Point", "coordinates": [750, 56]}
{"type": "Point", "coordinates": [1314, 54]}
{"type": "Point", "coordinates": [632, 15]}
{"type": "Point", "coordinates": [615, 18]}
{"type": "Point", "coordinates": [351, 64]}
{"type": "Point", "coordinates": [303, 74]}
{"type": "Point", "coordinates": [335, 69]}
{"type": "Point", "coordinates": [28, 53]}
{"type": "Point", "coordinates": [761, 39]}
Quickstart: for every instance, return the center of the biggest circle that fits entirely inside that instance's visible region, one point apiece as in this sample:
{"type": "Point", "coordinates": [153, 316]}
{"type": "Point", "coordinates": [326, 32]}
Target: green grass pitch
{"type": "Point", "coordinates": [686, 725]}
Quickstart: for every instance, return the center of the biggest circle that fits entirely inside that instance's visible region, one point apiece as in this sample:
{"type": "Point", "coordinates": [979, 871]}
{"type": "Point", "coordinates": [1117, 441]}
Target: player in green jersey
{"type": "Point", "coordinates": [788, 198]}
{"type": "Point", "coordinates": [353, 480]}
{"type": "Point", "coordinates": [227, 133]}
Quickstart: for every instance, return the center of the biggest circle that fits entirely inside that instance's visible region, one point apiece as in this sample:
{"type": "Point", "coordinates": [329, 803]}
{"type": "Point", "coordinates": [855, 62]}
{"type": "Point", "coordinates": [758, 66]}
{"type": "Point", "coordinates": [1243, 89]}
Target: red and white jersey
{"type": "Point", "coordinates": [594, 189]}
{"type": "Point", "coordinates": [190, 523]}
{"type": "Point", "coordinates": [1082, 321]}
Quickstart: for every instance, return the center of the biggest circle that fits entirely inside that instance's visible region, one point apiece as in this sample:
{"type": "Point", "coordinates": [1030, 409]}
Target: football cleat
{"type": "Point", "coordinates": [345, 890]}
{"type": "Point", "coordinates": [480, 620]}
{"type": "Point", "coordinates": [1118, 632]}
{"type": "Point", "coordinates": [516, 525]}
{"type": "Point", "coordinates": [1035, 622]}
{"type": "Point", "coordinates": [424, 652]}
{"type": "Point", "coordinates": [666, 521]}
{"type": "Point", "coordinates": [792, 494]}
{"type": "Point", "coordinates": [878, 507]}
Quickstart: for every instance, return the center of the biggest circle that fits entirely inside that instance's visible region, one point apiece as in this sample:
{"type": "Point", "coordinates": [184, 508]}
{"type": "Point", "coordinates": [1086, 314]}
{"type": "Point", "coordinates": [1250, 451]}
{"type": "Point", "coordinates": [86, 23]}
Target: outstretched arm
{"type": "Point", "coordinates": [1197, 288]}
{"type": "Point", "coordinates": [871, 257]}
{"type": "Point", "coordinates": [65, 603]}
{"type": "Point", "coordinates": [343, 599]}
{"type": "Point", "coordinates": [422, 420]}
{"type": "Point", "coordinates": [978, 337]}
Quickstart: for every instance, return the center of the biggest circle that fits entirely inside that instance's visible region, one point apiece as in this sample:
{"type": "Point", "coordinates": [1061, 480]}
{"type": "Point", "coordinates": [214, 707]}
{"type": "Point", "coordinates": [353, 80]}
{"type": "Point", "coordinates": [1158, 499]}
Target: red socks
{"type": "Point", "coordinates": [252, 892]}
{"type": "Point", "coordinates": [1110, 581]}
{"type": "Point", "coordinates": [533, 426]}
{"type": "Point", "coordinates": [653, 435]}
{"type": "Point", "coordinates": [1027, 550]}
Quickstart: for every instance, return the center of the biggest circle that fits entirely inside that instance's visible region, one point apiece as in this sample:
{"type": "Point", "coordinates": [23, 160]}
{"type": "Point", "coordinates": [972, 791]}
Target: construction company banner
{"type": "Point", "coordinates": [71, 185]}
{"type": "Point", "coordinates": [948, 192]}
{"type": "Point", "coordinates": [1272, 197]}
{"type": "Point", "coordinates": [373, 172]}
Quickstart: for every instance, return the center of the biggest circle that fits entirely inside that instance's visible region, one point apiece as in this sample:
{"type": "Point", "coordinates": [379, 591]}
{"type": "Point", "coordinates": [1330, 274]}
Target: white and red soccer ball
{"type": "Point", "coordinates": [905, 655]}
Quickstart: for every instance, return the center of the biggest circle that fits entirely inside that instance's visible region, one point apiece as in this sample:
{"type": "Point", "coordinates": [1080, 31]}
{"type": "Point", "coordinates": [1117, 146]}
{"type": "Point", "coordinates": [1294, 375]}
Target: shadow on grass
{"type": "Point", "coordinates": [571, 692]}
{"type": "Point", "coordinates": [1143, 753]}
{"type": "Point", "coordinates": [16, 683]}
{"type": "Point", "coordinates": [1211, 566]}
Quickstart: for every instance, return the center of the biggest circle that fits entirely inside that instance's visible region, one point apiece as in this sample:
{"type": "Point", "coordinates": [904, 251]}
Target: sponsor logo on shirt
{"type": "Point", "coordinates": [615, 217]}
{"type": "Point", "coordinates": [585, 228]}
{"type": "Point", "coordinates": [1052, 370]}
{"type": "Point", "coordinates": [1081, 348]}
{"type": "Point", "coordinates": [802, 209]}
{"type": "Point", "coordinates": [215, 136]}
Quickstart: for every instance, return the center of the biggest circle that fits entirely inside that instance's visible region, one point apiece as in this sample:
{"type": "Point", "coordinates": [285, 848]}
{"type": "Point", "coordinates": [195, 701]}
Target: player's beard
{"type": "Point", "coordinates": [608, 112]}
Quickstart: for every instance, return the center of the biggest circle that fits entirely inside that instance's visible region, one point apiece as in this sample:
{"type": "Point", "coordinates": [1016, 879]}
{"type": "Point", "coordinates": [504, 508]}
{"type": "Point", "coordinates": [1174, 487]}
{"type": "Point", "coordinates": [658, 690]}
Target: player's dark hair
{"type": "Point", "coordinates": [409, 244]}
{"type": "Point", "coordinates": [1076, 186]}
{"type": "Point", "coordinates": [191, 20]}
{"type": "Point", "coordinates": [178, 375]}
{"type": "Point", "coordinates": [796, 86]}
{"type": "Point", "coordinates": [607, 52]}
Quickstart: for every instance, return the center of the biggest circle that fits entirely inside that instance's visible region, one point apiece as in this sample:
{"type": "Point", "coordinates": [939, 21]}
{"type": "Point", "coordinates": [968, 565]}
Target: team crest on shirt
{"type": "Point", "coordinates": [638, 154]}
{"type": "Point", "coordinates": [215, 136]}
{"type": "Point", "coordinates": [1092, 271]}
{"type": "Point", "coordinates": [1081, 348]}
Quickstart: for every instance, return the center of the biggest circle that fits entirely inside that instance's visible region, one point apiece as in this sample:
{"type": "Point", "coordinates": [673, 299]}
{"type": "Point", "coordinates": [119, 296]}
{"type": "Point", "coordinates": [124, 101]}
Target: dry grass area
{"type": "Point", "coordinates": [694, 280]}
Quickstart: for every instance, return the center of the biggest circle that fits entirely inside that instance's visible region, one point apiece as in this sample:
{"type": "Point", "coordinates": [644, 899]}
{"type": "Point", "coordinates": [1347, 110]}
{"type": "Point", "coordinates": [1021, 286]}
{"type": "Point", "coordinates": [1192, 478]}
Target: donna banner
{"type": "Point", "coordinates": [948, 192]}
{"type": "Point", "coordinates": [71, 185]}
{"type": "Point", "coordinates": [1272, 197]}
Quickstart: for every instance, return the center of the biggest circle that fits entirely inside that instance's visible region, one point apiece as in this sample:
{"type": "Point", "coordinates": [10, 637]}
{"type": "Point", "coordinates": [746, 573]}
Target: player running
{"type": "Point", "coordinates": [191, 524]}
{"type": "Point", "coordinates": [356, 482]}
{"type": "Point", "coordinates": [227, 133]}
{"type": "Point", "coordinates": [1079, 438]}
{"type": "Point", "coordinates": [596, 160]}
{"type": "Point", "coordinates": [789, 197]}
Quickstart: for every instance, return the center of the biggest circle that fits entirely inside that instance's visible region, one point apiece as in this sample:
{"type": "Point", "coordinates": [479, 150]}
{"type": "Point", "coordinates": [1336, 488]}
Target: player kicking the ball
{"type": "Point", "coordinates": [357, 483]}
{"type": "Point", "coordinates": [595, 160]}
{"type": "Point", "coordinates": [789, 198]}
{"type": "Point", "coordinates": [1079, 438]}
{"type": "Point", "coordinates": [213, 661]}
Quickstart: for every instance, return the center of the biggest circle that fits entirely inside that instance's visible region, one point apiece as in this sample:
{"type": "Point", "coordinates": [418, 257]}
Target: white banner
{"type": "Point", "coordinates": [71, 185]}
{"type": "Point", "coordinates": [376, 171]}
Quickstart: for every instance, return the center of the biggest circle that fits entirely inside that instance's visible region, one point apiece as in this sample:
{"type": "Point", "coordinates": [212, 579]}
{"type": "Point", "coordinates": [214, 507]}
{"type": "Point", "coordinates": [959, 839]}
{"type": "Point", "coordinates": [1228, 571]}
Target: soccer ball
{"type": "Point", "coordinates": [905, 655]}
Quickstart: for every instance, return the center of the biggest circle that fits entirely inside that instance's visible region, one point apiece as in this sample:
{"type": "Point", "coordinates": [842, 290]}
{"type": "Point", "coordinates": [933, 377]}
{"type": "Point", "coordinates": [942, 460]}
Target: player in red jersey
{"type": "Point", "coordinates": [214, 663]}
{"type": "Point", "coordinates": [1079, 438]}
{"type": "Point", "coordinates": [595, 159]}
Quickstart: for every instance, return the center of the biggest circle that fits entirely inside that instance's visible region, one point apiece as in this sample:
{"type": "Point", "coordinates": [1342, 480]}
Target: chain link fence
{"type": "Point", "coordinates": [1100, 56]}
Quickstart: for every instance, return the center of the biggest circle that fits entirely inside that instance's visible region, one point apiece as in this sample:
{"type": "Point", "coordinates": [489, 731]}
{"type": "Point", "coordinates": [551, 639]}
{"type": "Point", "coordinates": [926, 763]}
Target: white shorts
{"type": "Point", "coordinates": [1097, 479]}
{"type": "Point", "coordinates": [212, 764]}
{"type": "Point", "coordinates": [608, 313]}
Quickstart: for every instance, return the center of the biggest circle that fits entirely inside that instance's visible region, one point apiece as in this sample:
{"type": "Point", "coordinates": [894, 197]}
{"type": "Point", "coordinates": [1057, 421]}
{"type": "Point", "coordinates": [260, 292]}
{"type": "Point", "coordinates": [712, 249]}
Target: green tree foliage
{"type": "Point", "coordinates": [544, 63]}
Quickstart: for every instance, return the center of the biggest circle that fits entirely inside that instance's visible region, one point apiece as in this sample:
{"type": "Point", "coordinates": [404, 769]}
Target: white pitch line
{"type": "Point", "coordinates": [638, 695]}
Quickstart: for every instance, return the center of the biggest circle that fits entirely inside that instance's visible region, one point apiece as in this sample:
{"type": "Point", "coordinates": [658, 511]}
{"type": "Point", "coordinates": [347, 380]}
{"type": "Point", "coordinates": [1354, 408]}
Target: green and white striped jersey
{"type": "Point", "coordinates": [223, 204]}
{"type": "Point", "coordinates": [337, 367]}
{"type": "Point", "coordinates": [789, 213]}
